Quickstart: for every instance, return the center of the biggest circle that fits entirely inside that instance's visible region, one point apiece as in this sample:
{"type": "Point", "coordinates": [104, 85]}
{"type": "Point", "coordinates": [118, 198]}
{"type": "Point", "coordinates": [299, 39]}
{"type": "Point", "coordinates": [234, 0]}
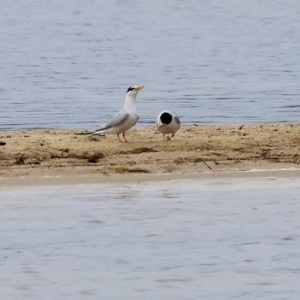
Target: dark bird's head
{"type": "Point", "coordinates": [166, 118]}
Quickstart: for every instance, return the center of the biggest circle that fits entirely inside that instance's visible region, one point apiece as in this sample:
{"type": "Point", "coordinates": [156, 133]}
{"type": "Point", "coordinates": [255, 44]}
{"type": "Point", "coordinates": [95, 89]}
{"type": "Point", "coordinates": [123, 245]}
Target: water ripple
{"type": "Point", "coordinates": [211, 62]}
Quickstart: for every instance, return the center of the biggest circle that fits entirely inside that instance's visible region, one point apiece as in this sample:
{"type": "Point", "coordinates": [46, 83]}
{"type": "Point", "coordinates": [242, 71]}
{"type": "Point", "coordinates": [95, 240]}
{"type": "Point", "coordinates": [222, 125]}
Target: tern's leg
{"type": "Point", "coordinates": [163, 137]}
{"type": "Point", "coordinates": [120, 139]}
{"type": "Point", "coordinates": [172, 134]}
{"type": "Point", "coordinates": [124, 137]}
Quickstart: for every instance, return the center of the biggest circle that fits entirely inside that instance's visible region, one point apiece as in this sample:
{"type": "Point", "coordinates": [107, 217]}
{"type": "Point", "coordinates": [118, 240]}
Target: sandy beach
{"type": "Point", "coordinates": [196, 150]}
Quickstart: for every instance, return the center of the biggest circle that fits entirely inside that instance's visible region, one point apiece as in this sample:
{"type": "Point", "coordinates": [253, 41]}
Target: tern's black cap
{"type": "Point", "coordinates": [131, 88]}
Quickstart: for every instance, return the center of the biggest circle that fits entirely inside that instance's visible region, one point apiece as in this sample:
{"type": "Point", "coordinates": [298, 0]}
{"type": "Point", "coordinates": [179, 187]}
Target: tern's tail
{"type": "Point", "coordinates": [98, 132]}
{"type": "Point", "coordinates": [84, 133]}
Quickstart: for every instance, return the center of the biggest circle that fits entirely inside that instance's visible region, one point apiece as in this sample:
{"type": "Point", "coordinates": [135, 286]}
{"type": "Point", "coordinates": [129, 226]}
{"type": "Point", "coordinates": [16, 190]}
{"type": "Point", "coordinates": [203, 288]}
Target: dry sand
{"type": "Point", "coordinates": [36, 154]}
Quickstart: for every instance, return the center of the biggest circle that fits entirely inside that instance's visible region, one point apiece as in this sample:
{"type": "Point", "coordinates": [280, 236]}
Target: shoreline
{"type": "Point", "coordinates": [270, 174]}
{"type": "Point", "coordinates": [196, 151]}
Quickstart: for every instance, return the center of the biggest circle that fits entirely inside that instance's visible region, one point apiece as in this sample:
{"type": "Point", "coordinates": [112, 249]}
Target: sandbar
{"type": "Point", "coordinates": [64, 157]}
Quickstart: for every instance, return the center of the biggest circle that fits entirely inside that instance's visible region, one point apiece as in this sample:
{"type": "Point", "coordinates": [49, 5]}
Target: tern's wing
{"type": "Point", "coordinates": [177, 120]}
{"type": "Point", "coordinates": [117, 120]}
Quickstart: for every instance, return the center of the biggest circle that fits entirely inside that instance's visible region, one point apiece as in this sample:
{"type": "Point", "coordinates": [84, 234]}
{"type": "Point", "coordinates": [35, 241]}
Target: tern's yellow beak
{"type": "Point", "coordinates": [139, 87]}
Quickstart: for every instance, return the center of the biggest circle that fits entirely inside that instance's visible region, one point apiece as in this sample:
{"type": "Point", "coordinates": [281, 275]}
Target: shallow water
{"type": "Point", "coordinates": [67, 64]}
{"type": "Point", "coordinates": [208, 239]}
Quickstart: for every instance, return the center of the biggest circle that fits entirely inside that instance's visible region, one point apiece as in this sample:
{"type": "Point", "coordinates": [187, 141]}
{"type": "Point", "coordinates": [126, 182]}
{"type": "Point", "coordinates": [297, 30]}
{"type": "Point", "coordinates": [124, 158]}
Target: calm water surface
{"type": "Point", "coordinates": [67, 64]}
{"type": "Point", "coordinates": [210, 239]}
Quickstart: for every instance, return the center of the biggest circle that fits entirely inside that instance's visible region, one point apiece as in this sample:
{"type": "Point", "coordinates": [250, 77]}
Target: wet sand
{"type": "Point", "coordinates": [62, 156]}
